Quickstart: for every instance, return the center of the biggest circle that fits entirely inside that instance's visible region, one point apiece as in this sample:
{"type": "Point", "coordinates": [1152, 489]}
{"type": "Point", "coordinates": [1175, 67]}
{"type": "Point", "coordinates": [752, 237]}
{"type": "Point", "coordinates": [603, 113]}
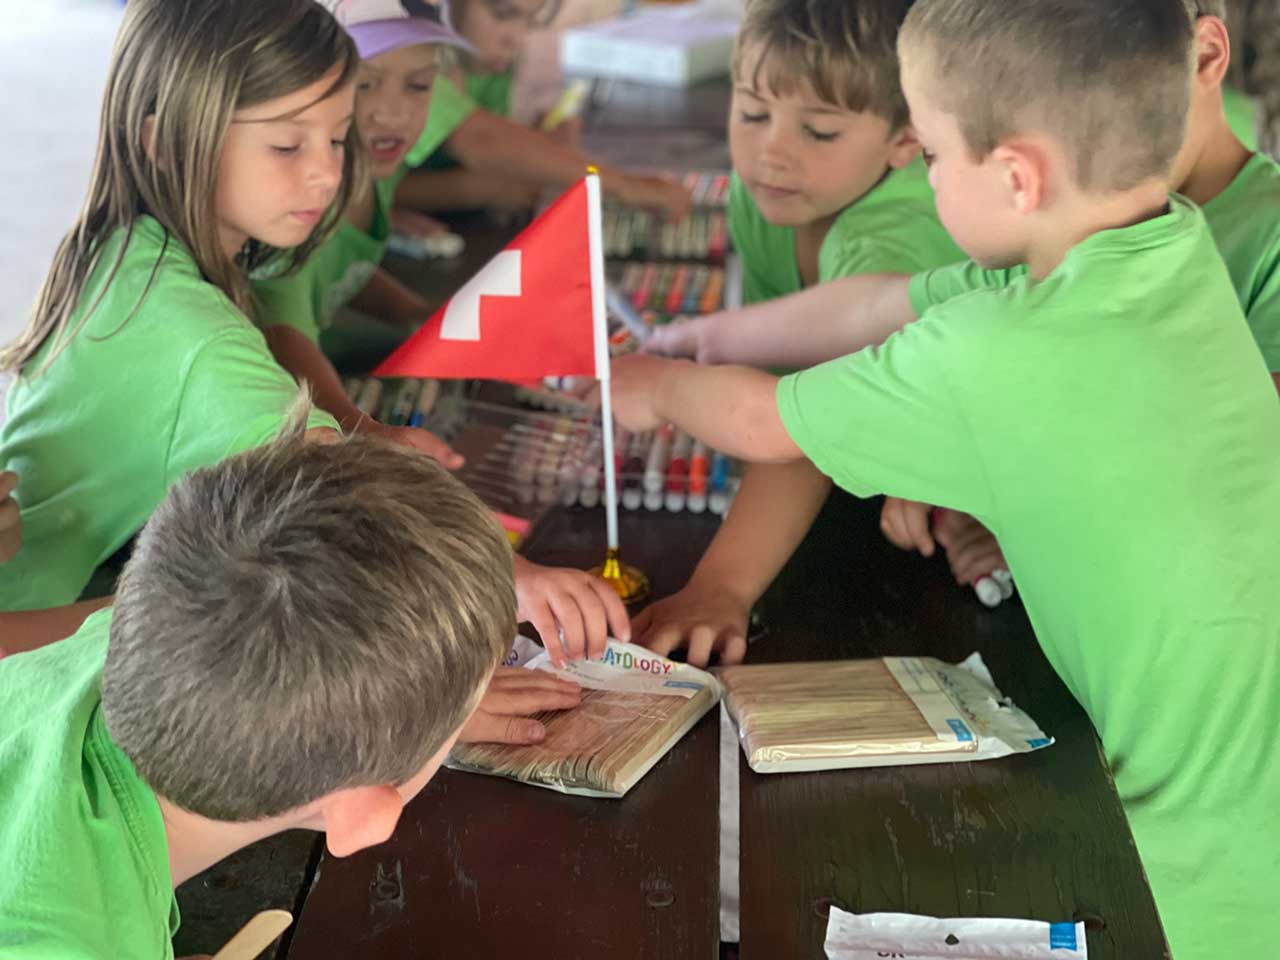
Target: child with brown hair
{"type": "Point", "coordinates": [299, 636]}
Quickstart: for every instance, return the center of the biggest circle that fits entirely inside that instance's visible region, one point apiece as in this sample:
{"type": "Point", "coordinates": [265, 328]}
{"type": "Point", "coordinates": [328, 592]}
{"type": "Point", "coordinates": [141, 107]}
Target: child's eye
{"type": "Point", "coordinates": [285, 151]}
{"type": "Point", "coordinates": [420, 87]}
{"type": "Point", "coordinates": [819, 135]}
{"type": "Point", "coordinates": [339, 144]}
{"type": "Point", "coordinates": [928, 156]}
{"type": "Point", "coordinates": [753, 117]}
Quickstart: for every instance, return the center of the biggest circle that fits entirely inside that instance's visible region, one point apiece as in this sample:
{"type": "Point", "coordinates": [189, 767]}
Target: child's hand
{"type": "Point", "coordinates": [702, 620]}
{"type": "Point", "coordinates": [566, 133]}
{"type": "Point", "coordinates": [572, 611]}
{"type": "Point", "coordinates": [907, 525]}
{"type": "Point", "coordinates": [10, 520]}
{"type": "Point", "coordinates": [504, 714]}
{"type": "Point", "coordinates": [654, 193]}
{"type": "Point", "coordinates": [678, 339]}
{"type": "Point", "coordinates": [971, 548]}
{"type": "Point", "coordinates": [633, 389]}
{"type": "Point", "coordinates": [418, 439]}
{"type": "Point", "coordinates": [414, 224]}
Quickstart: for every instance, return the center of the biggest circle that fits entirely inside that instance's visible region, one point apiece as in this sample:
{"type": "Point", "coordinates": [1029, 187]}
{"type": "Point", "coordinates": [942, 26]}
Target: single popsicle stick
{"type": "Point", "coordinates": [256, 935]}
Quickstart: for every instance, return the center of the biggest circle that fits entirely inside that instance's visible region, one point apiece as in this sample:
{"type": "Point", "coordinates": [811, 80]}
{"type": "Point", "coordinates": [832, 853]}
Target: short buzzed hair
{"type": "Point", "coordinates": [1110, 79]}
{"type": "Point", "coordinates": [845, 51]}
{"type": "Point", "coordinates": [1206, 8]}
{"type": "Point", "coordinates": [304, 618]}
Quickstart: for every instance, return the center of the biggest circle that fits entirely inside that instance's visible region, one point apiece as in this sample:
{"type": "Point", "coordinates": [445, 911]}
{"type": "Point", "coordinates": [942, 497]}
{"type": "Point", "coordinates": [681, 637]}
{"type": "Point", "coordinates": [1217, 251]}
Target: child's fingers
{"type": "Point", "coordinates": [702, 640]}
{"type": "Point", "coordinates": [518, 680]}
{"type": "Point", "coordinates": [732, 646]}
{"type": "Point", "coordinates": [977, 561]}
{"type": "Point", "coordinates": [544, 623]}
{"type": "Point", "coordinates": [532, 699]}
{"type": "Point", "coordinates": [615, 611]}
{"type": "Point", "coordinates": [8, 483]}
{"type": "Point", "coordinates": [892, 524]}
{"type": "Point", "coordinates": [662, 638]}
{"type": "Point", "coordinates": [10, 530]}
{"type": "Point", "coordinates": [916, 521]}
{"type": "Point", "coordinates": [595, 622]}
{"type": "Point", "coordinates": [641, 622]}
{"type": "Point", "coordinates": [484, 727]}
{"type": "Point", "coordinates": [573, 629]}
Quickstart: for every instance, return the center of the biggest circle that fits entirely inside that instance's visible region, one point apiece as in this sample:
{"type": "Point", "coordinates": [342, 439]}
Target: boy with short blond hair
{"type": "Point", "coordinates": [827, 178]}
{"type": "Point", "coordinates": [298, 636]}
{"type": "Point", "coordinates": [1107, 415]}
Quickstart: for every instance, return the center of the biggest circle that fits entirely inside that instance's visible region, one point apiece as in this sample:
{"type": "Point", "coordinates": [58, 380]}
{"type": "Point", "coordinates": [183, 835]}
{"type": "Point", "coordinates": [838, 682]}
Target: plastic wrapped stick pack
{"type": "Point", "coordinates": [635, 707]}
{"type": "Point", "coordinates": [868, 713]}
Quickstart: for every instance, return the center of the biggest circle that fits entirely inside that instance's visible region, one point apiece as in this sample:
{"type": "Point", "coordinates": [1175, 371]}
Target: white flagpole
{"type": "Point", "coordinates": [595, 236]}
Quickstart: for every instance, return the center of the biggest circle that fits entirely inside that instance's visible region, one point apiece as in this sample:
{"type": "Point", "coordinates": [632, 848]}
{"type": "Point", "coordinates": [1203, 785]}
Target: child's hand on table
{"type": "Point", "coordinates": [514, 695]}
{"type": "Point", "coordinates": [701, 620]}
{"type": "Point", "coordinates": [10, 520]}
{"type": "Point", "coordinates": [573, 611]}
{"type": "Point", "coordinates": [908, 525]}
{"type": "Point", "coordinates": [972, 550]}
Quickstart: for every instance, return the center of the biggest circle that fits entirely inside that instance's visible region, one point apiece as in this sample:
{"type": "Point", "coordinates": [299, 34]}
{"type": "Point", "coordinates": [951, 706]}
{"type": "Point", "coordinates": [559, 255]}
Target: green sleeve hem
{"type": "Point", "coordinates": [788, 401]}
{"type": "Point", "coordinates": [918, 293]}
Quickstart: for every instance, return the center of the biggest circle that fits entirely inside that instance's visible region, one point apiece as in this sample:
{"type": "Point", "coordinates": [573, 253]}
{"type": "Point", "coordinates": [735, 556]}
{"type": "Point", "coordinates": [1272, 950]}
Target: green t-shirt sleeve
{"type": "Point", "coordinates": [853, 256]}
{"type": "Point", "coordinates": [1264, 318]}
{"type": "Point", "coordinates": [886, 420]}
{"type": "Point", "coordinates": [288, 301]}
{"type": "Point", "coordinates": [449, 107]}
{"type": "Point", "coordinates": [234, 397]}
{"type": "Point", "coordinates": [932, 287]}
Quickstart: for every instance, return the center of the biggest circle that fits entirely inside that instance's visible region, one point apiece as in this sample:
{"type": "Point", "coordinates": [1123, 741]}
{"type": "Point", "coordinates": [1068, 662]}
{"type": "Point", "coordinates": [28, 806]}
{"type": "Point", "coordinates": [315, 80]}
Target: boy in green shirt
{"type": "Point", "coordinates": [827, 178]}
{"type": "Point", "coordinates": [263, 669]}
{"type": "Point", "coordinates": [1107, 414]}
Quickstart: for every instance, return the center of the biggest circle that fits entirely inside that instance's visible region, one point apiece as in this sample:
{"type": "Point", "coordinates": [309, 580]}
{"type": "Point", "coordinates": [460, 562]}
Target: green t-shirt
{"type": "Point", "coordinates": [449, 107]}
{"type": "Point", "coordinates": [491, 91]}
{"type": "Point", "coordinates": [86, 862]}
{"type": "Point", "coordinates": [127, 408]}
{"type": "Point", "coordinates": [1245, 221]}
{"type": "Point", "coordinates": [1242, 116]}
{"type": "Point", "coordinates": [1114, 426]}
{"type": "Point", "coordinates": [893, 228]}
{"type": "Point", "coordinates": [309, 298]}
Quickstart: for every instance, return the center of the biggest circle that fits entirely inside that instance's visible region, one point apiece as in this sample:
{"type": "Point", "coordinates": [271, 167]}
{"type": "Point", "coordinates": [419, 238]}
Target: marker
{"type": "Point", "coordinates": [370, 394]}
{"type": "Point", "coordinates": [656, 465]}
{"type": "Point", "coordinates": [427, 396]}
{"type": "Point", "coordinates": [678, 471]}
{"type": "Point", "coordinates": [718, 497]}
{"type": "Point", "coordinates": [633, 471]}
{"type": "Point", "coordinates": [403, 405]}
{"type": "Point", "coordinates": [570, 104]}
{"type": "Point", "coordinates": [713, 294]}
{"type": "Point", "coordinates": [352, 387]}
{"type": "Point", "coordinates": [697, 500]}
{"type": "Point", "coordinates": [624, 311]}
{"type": "Point", "coordinates": [675, 293]}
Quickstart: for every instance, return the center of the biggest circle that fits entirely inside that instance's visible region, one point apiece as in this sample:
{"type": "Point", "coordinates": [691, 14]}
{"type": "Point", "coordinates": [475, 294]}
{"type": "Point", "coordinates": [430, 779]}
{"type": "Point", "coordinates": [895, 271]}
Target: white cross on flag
{"type": "Point", "coordinates": [530, 313]}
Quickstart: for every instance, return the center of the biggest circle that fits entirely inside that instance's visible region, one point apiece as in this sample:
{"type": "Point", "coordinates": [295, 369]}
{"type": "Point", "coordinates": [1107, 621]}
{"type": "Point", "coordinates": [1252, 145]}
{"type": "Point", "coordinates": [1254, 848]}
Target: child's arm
{"type": "Point", "coordinates": [733, 409]}
{"type": "Point", "coordinates": [32, 629]}
{"type": "Point", "coordinates": [489, 144]}
{"type": "Point", "coordinates": [10, 517]}
{"type": "Point", "coordinates": [385, 296]}
{"type": "Point", "coordinates": [302, 358]}
{"type": "Point", "coordinates": [772, 511]}
{"type": "Point", "coordinates": [462, 189]}
{"type": "Point", "coordinates": [513, 698]}
{"type": "Point", "coordinates": [801, 330]}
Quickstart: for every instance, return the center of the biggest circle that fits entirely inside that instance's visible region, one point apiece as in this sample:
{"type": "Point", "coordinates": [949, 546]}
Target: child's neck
{"type": "Point", "coordinates": [1080, 216]}
{"type": "Point", "coordinates": [809, 238]}
{"type": "Point", "coordinates": [1213, 164]}
{"type": "Point", "coordinates": [197, 843]}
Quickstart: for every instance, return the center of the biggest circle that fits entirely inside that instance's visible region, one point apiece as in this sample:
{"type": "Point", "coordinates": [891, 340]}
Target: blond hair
{"type": "Point", "coordinates": [1111, 81]}
{"type": "Point", "coordinates": [846, 52]}
{"type": "Point", "coordinates": [304, 618]}
{"type": "Point", "coordinates": [190, 64]}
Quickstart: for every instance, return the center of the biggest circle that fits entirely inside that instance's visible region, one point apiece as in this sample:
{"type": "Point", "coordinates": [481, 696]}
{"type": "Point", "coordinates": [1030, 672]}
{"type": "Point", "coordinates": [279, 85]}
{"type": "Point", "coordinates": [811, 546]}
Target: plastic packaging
{"type": "Point", "coordinates": [635, 706]}
{"type": "Point", "coordinates": [871, 936]}
{"type": "Point", "coordinates": [867, 713]}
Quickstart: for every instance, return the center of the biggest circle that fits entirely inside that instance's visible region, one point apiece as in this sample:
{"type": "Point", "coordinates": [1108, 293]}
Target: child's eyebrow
{"type": "Point", "coordinates": [294, 120]}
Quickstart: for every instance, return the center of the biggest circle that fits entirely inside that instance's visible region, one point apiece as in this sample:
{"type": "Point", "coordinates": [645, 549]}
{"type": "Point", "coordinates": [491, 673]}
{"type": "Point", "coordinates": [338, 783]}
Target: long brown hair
{"type": "Point", "coordinates": [191, 64]}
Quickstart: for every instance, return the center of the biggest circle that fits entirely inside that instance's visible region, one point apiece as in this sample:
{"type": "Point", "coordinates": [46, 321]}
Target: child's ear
{"type": "Point", "coordinates": [359, 817]}
{"type": "Point", "coordinates": [904, 146]}
{"type": "Point", "coordinates": [1213, 51]}
{"type": "Point", "coordinates": [1024, 167]}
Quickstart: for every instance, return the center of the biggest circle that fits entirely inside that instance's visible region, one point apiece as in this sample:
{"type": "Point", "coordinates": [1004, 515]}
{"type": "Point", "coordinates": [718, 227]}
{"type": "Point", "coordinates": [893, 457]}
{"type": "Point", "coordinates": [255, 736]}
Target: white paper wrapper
{"type": "Point", "coordinates": [873, 936]}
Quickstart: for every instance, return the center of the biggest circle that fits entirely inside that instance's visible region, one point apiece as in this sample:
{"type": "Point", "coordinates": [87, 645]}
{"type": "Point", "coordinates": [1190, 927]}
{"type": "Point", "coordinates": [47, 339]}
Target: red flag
{"type": "Point", "coordinates": [526, 315]}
